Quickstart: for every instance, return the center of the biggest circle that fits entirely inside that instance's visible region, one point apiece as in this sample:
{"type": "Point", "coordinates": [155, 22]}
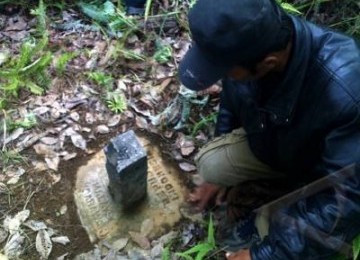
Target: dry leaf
{"type": "Point", "coordinates": [120, 244]}
{"type": "Point", "coordinates": [35, 225]}
{"type": "Point", "coordinates": [15, 176]}
{"type": "Point", "coordinates": [141, 122]}
{"type": "Point", "coordinates": [139, 239]}
{"type": "Point", "coordinates": [22, 215]}
{"type": "Point", "coordinates": [41, 110]}
{"type": "Point", "coordinates": [43, 243]}
{"type": "Point", "coordinates": [12, 225]}
{"type": "Point", "coordinates": [14, 135]}
{"type": "Point", "coordinates": [3, 234]}
{"type": "Point", "coordinates": [53, 163]}
{"type": "Point", "coordinates": [187, 167]}
{"type": "Point", "coordinates": [13, 247]}
{"type": "Point", "coordinates": [3, 188]}
{"type": "Point", "coordinates": [43, 149]}
{"type": "Point", "coordinates": [69, 156]}
{"type": "Point", "coordinates": [185, 144]}
{"type": "Point", "coordinates": [49, 140]}
{"type": "Point", "coordinates": [61, 240]}
{"type": "Point", "coordinates": [146, 227]}
{"type": "Point", "coordinates": [78, 141]}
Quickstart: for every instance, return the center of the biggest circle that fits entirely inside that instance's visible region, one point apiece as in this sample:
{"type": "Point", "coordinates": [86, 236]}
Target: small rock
{"type": "Point", "coordinates": [63, 209]}
{"type": "Point", "coordinates": [187, 167]}
{"type": "Point", "coordinates": [139, 239]}
{"type": "Point", "coordinates": [114, 121]}
{"type": "Point", "coordinates": [89, 118]}
{"type": "Point", "coordinates": [75, 116]}
{"type": "Point", "coordinates": [61, 240]}
{"type": "Point", "coordinates": [102, 129]}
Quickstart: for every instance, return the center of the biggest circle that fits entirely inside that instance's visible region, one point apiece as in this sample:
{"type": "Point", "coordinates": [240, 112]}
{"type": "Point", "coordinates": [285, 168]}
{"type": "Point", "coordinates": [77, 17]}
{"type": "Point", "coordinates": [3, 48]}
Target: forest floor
{"type": "Point", "coordinates": [106, 75]}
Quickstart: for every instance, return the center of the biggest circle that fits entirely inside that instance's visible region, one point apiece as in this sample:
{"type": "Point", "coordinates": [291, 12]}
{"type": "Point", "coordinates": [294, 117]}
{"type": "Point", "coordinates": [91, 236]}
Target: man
{"type": "Point", "coordinates": [289, 110]}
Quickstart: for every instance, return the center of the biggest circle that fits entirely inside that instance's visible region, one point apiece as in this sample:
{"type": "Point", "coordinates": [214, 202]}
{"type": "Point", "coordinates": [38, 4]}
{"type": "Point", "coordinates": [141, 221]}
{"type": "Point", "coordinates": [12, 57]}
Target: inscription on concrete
{"type": "Point", "coordinates": [103, 218]}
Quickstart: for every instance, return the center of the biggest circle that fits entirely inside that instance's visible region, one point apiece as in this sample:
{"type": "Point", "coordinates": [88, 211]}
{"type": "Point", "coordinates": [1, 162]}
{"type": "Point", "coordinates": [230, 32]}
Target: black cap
{"type": "Point", "coordinates": [227, 33]}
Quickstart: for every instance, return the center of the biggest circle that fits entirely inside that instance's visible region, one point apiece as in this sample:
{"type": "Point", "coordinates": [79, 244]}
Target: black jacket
{"type": "Point", "coordinates": [308, 126]}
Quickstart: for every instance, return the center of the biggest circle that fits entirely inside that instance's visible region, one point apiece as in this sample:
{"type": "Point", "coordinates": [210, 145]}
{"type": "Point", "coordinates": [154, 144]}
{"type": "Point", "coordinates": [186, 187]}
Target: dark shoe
{"type": "Point", "coordinates": [241, 235]}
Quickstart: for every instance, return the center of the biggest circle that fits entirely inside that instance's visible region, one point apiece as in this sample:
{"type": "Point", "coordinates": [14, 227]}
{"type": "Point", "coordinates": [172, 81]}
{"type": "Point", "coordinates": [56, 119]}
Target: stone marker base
{"type": "Point", "coordinates": [104, 220]}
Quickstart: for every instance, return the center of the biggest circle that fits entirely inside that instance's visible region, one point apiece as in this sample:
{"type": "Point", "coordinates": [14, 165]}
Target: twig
{"type": "Point", "coordinates": [33, 193]}
{"type": "Point", "coordinates": [4, 138]}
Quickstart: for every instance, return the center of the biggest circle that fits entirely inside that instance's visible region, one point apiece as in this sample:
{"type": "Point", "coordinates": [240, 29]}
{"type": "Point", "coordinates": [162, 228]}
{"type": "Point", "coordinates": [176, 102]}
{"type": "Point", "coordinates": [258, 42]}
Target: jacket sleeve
{"type": "Point", "coordinates": [226, 120]}
{"type": "Point", "coordinates": [325, 222]}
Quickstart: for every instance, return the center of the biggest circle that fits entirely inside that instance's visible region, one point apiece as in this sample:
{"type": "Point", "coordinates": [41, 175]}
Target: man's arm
{"type": "Point", "coordinates": [226, 120]}
{"type": "Point", "coordinates": [326, 222]}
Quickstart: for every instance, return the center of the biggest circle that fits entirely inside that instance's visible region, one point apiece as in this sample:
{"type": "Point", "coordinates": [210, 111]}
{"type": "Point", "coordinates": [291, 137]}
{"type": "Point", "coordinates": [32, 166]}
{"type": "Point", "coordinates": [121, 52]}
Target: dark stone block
{"type": "Point", "coordinates": [126, 165]}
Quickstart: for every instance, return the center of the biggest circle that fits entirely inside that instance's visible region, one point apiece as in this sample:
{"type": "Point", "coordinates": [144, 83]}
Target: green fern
{"type": "Point", "coordinates": [40, 13]}
{"type": "Point", "coordinates": [27, 70]}
{"type": "Point", "coordinates": [63, 60]}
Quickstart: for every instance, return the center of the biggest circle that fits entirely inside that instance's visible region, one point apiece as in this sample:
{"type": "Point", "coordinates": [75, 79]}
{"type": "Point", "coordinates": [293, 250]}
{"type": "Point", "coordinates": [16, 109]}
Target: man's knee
{"type": "Point", "coordinates": [210, 165]}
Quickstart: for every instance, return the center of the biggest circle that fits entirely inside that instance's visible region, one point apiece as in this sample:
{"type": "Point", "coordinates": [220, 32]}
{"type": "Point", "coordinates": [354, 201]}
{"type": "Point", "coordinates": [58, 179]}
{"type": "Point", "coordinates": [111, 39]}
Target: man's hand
{"type": "Point", "coordinates": [240, 255]}
{"type": "Point", "coordinates": [204, 193]}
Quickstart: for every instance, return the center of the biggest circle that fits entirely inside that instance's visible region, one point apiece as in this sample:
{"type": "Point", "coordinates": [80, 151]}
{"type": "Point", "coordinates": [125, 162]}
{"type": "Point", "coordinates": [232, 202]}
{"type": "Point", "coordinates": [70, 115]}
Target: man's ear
{"type": "Point", "coordinates": [269, 63]}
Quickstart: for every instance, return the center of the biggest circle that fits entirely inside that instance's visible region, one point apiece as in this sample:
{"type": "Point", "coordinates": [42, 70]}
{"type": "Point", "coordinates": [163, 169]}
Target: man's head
{"type": "Point", "coordinates": [240, 38]}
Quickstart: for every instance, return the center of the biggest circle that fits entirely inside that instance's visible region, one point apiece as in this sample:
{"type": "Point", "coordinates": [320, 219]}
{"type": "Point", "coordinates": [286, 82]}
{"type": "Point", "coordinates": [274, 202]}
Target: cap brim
{"type": "Point", "coordinates": [196, 72]}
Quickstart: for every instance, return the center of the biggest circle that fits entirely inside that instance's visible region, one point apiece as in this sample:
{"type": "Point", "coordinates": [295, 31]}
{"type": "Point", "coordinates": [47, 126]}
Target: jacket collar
{"type": "Point", "coordinates": [283, 102]}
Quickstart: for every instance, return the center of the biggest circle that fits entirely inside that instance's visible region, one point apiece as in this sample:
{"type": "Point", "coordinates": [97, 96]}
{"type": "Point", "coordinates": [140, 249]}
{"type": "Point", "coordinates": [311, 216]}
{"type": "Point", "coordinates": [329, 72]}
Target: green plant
{"type": "Point", "coordinates": [166, 254]}
{"type": "Point", "coordinates": [116, 102]}
{"type": "Point", "coordinates": [27, 70]}
{"type": "Point", "coordinates": [40, 13]}
{"type": "Point", "coordinates": [62, 61]}
{"type": "Point", "coordinates": [8, 158]}
{"type": "Point", "coordinates": [289, 7]}
{"type": "Point", "coordinates": [118, 24]}
{"type": "Point", "coordinates": [356, 248]}
{"type": "Point", "coordinates": [28, 122]}
{"type": "Point", "coordinates": [203, 248]}
{"type": "Point", "coordinates": [101, 78]}
{"type": "Point", "coordinates": [131, 55]}
{"type": "Point", "coordinates": [204, 122]}
{"type": "Point", "coordinates": [163, 53]}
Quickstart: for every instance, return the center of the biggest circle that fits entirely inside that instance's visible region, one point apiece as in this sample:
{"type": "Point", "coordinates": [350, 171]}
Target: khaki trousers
{"type": "Point", "coordinates": [228, 161]}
